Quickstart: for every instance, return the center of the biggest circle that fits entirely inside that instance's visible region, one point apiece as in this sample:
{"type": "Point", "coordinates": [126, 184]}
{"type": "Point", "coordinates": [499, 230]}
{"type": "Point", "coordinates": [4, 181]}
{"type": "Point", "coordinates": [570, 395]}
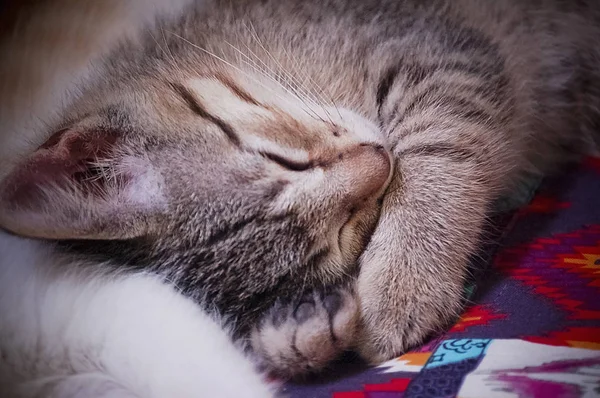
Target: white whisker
{"type": "Point", "coordinates": [290, 79]}
{"type": "Point", "coordinates": [227, 63]}
{"type": "Point", "coordinates": [275, 79]}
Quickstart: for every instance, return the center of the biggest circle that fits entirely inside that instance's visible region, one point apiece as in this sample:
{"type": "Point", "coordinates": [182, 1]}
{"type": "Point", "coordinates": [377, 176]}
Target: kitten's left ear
{"type": "Point", "coordinates": [81, 185]}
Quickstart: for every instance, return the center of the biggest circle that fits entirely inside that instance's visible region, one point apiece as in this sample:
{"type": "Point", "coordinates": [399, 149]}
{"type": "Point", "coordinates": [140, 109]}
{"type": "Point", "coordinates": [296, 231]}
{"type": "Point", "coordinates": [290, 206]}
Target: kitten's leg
{"type": "Point", "coordinates": [302, 336]}
{"type": "Point", "coordinates": [453, 156]}
{"type": "Point", "coordinates": [412, 276]}
{"type": "Point", "coordinates": [82, 334]}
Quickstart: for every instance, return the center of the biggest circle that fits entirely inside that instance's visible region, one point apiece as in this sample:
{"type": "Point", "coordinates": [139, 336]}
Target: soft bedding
{"type": "Point", "coordinates": [532, 328]}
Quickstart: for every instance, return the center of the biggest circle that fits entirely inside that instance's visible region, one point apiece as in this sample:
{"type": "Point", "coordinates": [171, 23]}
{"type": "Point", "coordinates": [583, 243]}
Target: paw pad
{"type": "Point", "coordinates": [303, 336]}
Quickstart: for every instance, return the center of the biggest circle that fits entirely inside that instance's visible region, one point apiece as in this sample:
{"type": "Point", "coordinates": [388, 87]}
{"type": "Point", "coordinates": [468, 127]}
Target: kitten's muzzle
{"type": "Point", "coordinates": [360, 176]}
{"type": "Point", "coordinates": [367, 168]}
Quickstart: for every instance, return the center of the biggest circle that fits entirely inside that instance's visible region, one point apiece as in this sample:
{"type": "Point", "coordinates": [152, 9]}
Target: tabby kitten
{"type": "Point", "coordinates": [261, 154]}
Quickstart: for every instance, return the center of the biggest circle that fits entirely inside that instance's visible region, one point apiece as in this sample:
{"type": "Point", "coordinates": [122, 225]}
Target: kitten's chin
{"type": "Point", "coordinates": [351, 240]}
{"type": "Point", "coordinates": [355, 234]}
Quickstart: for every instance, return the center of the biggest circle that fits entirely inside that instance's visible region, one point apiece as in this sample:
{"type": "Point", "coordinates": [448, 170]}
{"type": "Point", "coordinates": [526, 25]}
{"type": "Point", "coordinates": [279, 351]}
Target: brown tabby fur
{"type": "Point", "coordinates": [252, 115]}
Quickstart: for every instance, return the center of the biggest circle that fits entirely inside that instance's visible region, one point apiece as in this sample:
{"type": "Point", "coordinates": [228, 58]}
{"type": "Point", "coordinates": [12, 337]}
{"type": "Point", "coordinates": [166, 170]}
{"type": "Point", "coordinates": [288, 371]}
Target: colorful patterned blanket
{"type": "Point", "coordinates": [533, 329]}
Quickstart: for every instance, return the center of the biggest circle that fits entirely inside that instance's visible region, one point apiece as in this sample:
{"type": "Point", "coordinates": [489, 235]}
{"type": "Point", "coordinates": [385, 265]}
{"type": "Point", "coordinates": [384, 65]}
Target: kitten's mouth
{"type": "Point", "coordinates": [363, 173]}
{"type": "Point", "coordinates": [355, 232]}
{"type": "Point", "coordinates": [359, 221]}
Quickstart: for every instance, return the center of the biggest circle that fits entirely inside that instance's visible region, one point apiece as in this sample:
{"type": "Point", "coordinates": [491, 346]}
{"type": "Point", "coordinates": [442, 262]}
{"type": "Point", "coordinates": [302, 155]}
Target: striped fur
{"type": "Point", "coordinates": [273, 126]}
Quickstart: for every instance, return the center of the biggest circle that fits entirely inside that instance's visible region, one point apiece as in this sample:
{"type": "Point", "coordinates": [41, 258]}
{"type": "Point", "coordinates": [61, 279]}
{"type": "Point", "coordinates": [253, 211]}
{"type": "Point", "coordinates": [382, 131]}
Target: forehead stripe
{"type": "Point", "coordinates": [194, 104]}
{"type": "Point", "coordinates": [237, 90]}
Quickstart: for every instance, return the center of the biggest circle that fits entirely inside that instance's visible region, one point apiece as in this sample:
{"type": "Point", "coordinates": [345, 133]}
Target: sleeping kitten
{"type": "Point", "coordinates": [259, 155]}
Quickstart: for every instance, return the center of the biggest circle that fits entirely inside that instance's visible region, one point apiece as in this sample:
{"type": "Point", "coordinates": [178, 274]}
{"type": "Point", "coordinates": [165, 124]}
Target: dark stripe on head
{"type": "Point", "coordinates": [416, 103]}
{"type": "Point", "coordinates": [436, 96]}
{"type": "Point", "coordinates": [440, 150]}
{"type": "Point", "coordinates": [196, 107]}
{"type": "Point", "coordinates": [415, 74]}
{"type": "Point", "coordinates": [473, 68]}
{"type": "Point", "coordinates": [237, 90]}
{"type": "Point", "coordinates": [471, 114]}
{"type": "Point", "coordinates": [384, 87]}
{"type": "Point", "coordinates": [420, 128]}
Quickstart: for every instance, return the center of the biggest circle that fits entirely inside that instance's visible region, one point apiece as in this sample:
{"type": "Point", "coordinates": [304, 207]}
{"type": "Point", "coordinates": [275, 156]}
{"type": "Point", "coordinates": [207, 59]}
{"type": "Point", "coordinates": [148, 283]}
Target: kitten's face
{"type": "Point", "coordinates": [235, 187]}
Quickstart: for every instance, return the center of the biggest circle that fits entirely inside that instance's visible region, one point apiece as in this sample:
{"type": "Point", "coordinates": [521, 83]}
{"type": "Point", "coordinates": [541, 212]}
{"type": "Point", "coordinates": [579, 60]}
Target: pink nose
{"type": "Point", "coordinates": [364, 170]}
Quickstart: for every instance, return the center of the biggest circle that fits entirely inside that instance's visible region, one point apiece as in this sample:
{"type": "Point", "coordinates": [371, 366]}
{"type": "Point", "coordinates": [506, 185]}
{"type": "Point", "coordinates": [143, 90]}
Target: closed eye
{"type": "Point", "coordinates": [289, 164]}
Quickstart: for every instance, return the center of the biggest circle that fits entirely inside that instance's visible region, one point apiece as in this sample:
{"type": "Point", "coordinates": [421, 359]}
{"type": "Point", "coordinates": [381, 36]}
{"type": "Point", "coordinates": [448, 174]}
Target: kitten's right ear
{"type": "Point", "coordinates": [81, 185]}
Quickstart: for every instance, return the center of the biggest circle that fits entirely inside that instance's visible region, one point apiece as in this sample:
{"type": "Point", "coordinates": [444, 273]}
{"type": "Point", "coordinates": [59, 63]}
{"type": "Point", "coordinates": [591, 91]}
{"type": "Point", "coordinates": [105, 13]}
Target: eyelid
{"type": "Point", "coordinates": [290, 164]}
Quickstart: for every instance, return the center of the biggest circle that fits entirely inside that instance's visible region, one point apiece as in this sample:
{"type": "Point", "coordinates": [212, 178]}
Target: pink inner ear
{"type": "Point", "coordinates": [63, 159]}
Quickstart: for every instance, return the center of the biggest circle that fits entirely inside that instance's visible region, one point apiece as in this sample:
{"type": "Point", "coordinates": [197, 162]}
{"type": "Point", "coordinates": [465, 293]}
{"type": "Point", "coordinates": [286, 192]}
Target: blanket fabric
{"type": "Point", "coordinates": [533, 328]}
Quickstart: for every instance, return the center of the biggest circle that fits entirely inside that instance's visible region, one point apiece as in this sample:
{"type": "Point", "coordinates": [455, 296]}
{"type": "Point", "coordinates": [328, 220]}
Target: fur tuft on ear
{"type": "Point", "coordinates": [81, 185]}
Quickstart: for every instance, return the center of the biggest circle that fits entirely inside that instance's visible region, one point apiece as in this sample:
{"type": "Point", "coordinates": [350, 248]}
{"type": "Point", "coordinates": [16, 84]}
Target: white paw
{"type": "Point", "coordinates": [302, 336]}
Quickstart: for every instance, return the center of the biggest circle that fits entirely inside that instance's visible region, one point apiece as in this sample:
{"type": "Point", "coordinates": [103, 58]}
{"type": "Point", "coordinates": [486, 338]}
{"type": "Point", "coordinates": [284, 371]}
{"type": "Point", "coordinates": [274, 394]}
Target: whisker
{"type": "Point", "coordinates": [227, 63]}
{"type": "Point", "coordinates": [255, 36]}
{"type": "Point", "coordinates": [262, 70]}
{"type": "Point", "coordinates": [321, 95]}
{"type": "Point", "coordinates": [162, 32]}
{"type": "Point", "coordinates": [306, 76]}
{"type": "Point", "coordinates": [296, 87]}
{"type": "Point", "coordinates": [259, 69]}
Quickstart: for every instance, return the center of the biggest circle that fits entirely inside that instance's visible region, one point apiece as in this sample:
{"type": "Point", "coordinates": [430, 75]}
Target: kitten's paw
{"type": "Point", "coordinates": [303, 336]}
{"type": "Point", "coordinates": [396, 318]}
{"type": "Point", "coordinates": [385, 337]}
